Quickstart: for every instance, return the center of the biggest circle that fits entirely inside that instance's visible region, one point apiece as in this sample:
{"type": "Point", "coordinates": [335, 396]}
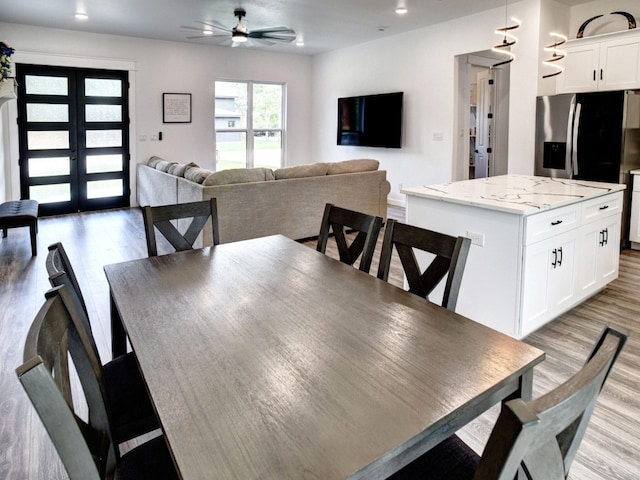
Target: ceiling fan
{"type": "Point", "coordinates": [240, 33]}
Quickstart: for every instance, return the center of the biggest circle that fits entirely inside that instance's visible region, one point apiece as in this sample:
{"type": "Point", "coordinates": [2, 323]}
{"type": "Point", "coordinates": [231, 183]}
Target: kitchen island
{"type": "Point", "coordinates": [539, 245]}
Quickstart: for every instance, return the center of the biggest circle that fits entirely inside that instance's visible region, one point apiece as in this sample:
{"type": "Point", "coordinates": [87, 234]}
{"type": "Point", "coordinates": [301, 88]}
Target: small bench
{"type": "Point", "coordinates": [20, 213]}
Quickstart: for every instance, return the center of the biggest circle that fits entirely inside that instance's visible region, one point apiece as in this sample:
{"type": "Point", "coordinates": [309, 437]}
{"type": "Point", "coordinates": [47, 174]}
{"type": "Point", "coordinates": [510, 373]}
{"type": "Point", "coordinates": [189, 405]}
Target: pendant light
{"type": "Point", "coordinates": [557, 55]}
{"type": "Point", "coordinates": [508, 38]}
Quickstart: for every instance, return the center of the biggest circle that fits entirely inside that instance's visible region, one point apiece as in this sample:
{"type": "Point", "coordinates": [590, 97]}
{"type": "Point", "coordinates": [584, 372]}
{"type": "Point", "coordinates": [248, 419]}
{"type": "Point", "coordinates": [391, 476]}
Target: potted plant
{"type": "Point", "coordinates": [5, 61]}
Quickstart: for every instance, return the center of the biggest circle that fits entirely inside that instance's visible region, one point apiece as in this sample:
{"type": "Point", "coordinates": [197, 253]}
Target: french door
{"type": "Point", "coordinates": [73, 129]}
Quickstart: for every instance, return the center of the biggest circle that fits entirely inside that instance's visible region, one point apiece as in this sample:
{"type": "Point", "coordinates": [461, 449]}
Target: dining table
{"type": "Point", "coordinates": [266, 359]}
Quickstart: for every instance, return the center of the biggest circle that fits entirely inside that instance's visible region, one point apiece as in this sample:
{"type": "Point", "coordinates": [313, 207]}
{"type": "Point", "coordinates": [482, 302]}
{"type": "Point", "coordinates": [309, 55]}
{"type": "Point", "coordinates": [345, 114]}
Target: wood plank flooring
{"type": "Point", "coordinates": [95, 239]}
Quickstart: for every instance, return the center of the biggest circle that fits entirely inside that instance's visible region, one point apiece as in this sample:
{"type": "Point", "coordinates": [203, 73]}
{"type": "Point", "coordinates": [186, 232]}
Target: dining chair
{"type": "Point", "coordinates": [83, 442]}
{"type": "Point", "coordinates": [450, 258]}
{"type": "Point", "coordinates": [539, 437]}
{"type": "Point", "coordinates": [132, 411]}
{"type": "Point", "coordinates": [342, 221]}
{"type": "Point", "coordinates": [161, 217]}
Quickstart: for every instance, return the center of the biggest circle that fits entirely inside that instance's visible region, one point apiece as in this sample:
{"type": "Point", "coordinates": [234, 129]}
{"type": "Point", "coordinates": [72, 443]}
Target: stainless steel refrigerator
{"type": "Point", "coordinates": [590, 136]}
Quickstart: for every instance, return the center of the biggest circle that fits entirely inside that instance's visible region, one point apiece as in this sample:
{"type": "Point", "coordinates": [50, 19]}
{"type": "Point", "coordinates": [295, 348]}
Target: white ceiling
{"type": "Point", "coordinates": [323, 24]}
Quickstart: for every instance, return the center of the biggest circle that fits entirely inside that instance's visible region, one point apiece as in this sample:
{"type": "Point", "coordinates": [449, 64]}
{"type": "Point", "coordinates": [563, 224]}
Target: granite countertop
{"type": "Point", "coordinates": [519, 194]}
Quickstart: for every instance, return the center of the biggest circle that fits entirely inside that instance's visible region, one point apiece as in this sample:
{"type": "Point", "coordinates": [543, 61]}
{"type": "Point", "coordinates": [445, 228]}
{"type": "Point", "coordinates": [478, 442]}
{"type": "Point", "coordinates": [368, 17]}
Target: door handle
{"type": "Point", "coordinates": [606, 236]}
{"type": "Point", "coordinates": [555, 258]}
{"type": "Point", "coordinates": [557, 222]}
{"type": "Point", "coordinates": [601, 77]}
{"type": "Point", "coordinates": [560, 259]}
{"type": "Point", "coordinates": [604, 207]}
{"type": "Point", "coordinates": [601, 241]}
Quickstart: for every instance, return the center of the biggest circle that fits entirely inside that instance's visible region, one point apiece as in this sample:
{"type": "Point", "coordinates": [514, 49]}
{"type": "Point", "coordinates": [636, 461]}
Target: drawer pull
{"type": "Point", "coordinates": [557, 222]}
{"type": "Point", "coordinates": [604, 207]}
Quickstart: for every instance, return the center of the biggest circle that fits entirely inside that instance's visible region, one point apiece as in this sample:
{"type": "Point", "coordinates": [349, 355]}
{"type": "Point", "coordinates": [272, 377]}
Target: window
{"type": "Point", "coordinates": [249, 124]}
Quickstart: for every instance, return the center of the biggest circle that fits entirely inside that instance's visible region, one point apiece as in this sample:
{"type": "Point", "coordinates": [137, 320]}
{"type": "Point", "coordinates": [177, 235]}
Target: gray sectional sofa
{"type": "Point", "coordinates": [260, 201]}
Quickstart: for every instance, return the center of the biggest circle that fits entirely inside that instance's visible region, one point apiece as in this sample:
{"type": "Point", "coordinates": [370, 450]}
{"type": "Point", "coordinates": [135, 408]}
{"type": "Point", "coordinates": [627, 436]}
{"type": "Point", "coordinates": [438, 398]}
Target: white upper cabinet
{"type": "Point", "coordinates": [606, 62]}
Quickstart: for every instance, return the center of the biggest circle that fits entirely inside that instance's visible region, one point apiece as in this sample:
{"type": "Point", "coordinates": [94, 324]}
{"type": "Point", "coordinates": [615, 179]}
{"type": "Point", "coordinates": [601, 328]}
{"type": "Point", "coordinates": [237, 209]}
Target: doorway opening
{"type": "Point", "coordinates": [482, 119]}
{"type": "Point", "coordinates": [73, 130]}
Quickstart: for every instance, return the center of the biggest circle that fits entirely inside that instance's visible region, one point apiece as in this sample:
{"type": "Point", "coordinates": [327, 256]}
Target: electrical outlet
{"type": "Point", "coordinates": [438, 136]}
{"type": "Point", "coordinates": [153, 138]}
{"type": "Point", "coordinates": [476, 238]}
{"type": "Point", "coordinates": [143, 138]}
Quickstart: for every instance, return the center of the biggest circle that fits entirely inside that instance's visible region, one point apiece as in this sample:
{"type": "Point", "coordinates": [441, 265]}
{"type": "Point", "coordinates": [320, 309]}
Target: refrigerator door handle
{"type": "Point", "coordinates": [568, 158]}
{"type": "Point", "coordinates": [574, 143]}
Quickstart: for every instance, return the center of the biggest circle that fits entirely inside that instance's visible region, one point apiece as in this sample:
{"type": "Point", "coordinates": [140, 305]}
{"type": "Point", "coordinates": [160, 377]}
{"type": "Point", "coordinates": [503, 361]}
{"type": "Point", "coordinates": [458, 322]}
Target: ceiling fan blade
{"type": "Point", "coordinates": [274, 35]}
{"type": "Point", "coordinates": [262, 31]}
{"type": "Point", "coordinates": [205, 37]}
{"type": "Point", "coordinates": [215, 25]}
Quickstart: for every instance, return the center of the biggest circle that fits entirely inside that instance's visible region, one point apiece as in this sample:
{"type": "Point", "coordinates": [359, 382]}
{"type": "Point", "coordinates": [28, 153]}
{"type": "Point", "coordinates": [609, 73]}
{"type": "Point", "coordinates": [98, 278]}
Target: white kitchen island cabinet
{"type": "Point", "coordinates": [539, 245]}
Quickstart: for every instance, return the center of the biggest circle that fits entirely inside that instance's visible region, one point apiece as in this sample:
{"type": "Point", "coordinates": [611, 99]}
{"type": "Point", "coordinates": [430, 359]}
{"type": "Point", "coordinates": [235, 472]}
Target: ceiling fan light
{"type": "Point", "coordinates": [239, 37]}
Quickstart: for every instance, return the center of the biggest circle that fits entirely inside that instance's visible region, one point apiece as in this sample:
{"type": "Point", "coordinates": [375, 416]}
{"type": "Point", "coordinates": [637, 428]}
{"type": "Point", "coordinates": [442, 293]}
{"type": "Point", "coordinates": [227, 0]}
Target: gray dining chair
{"type": "Point", "coordinates": [132, 411]}
{"type": "Point", "coordinates": [84, 443]}
{"type": "Point", "coordinates": [540, 437]}
{"type": "Point", "coordinates": [341, 222]}
{"type": "Point", "coordinates": [180, 224]}
{"type": "Point", "coordinates": [450, 256]}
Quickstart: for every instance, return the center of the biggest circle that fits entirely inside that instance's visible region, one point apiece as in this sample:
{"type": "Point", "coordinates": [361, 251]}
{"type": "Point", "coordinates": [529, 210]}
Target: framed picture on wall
{"type": "Point", "coordinates": [176, 108]}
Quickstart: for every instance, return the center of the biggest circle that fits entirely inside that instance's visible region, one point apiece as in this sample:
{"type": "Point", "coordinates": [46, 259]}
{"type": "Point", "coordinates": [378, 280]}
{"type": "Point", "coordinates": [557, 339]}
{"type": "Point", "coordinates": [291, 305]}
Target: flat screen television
{"type": "Point", "coordinates": [371, 120]}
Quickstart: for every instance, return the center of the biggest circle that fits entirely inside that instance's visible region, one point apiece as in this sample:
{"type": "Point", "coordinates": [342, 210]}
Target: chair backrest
{"type": "Point", "coordinates": [340, 221]}
{"type": "Point", "coordinates": [450, 259]}
{"type": "Point", "coordinates": [84, 446]}
{"type": "Point", "coordinates": [541, 437]}
{"type": "Point", "coordinates": [161, 217]}
{"type": "Point", "coordinates": [57, 261]}
{"type": "Point", "coordinates": [61, 272]}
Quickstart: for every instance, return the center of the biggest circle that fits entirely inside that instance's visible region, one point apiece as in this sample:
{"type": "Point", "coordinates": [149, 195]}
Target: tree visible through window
{"type": "Point", "coordinates": [249, 124]}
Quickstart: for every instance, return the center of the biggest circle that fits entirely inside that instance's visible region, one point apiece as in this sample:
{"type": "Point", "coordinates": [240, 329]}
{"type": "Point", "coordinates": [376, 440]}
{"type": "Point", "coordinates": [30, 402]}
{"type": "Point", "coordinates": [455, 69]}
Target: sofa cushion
{"type": "Point", "coordinates": [353, 166]}
{"type": "Point", "coordinates": [239, 175]}
{"type": "Point", "coordinates": [197, 174]}
{"type": "Point", "coordinates": [179, 169]}
{"type": "Point", "coordinates": [301, 171]}
{"type": "Point", "coordinates": [153, 161]}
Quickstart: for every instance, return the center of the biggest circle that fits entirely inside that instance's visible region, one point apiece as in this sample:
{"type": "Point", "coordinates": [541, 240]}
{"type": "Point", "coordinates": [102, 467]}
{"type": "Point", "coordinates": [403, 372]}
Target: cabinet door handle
{"type": "Point", "coordinates": [560, 259]}
{"type": "Point", "coordinates": [594, 75]}
{"type": "Point", "coordinates": [606, 236]}
{"type": "Point", "coordinates": [601, 77]}
{"type": "Point", "coordinates": [555, 258]}
{"type": "Point", "coordinates": [604, 207]}
{"type": "Point", "coordinates": [557, 222]}
{"type": "Point", "coordinates": [601, 241]}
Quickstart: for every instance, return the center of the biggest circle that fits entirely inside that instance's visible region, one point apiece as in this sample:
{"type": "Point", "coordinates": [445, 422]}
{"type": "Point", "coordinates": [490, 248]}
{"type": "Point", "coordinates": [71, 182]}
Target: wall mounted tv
{"type": "Point", "coordinates": [371, 120]}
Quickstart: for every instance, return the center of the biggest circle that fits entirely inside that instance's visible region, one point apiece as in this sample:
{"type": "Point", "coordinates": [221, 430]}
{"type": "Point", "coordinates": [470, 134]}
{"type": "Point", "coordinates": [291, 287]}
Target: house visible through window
{"type": "Point", "coordinates": [249, 124]}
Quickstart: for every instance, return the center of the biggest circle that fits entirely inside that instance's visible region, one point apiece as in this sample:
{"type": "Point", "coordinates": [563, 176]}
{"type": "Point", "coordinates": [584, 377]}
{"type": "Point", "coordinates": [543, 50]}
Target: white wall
{"type": "Point", "coordinates": [172, 67]}
{"type": "Point", "coordinates": [421, 63]}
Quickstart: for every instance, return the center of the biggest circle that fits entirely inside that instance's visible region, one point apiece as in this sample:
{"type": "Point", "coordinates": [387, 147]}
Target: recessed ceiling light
{"type": "Point", "coordinates": [300, 43]}
{"type": "Point", "coordinates": [402, 10]}
{"type": "Point", "coordinates": [81, 16]}
{"type": "Point", "coordinates": [207, 32]}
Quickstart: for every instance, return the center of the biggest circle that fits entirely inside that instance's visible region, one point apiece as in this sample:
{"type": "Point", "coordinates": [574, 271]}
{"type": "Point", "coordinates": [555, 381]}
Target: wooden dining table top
{"type": "Point", "coordinates": [268, 360]}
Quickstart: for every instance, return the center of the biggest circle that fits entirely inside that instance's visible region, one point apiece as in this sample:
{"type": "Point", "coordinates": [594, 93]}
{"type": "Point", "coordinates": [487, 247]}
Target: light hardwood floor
{"type": "Point", "coordinates": [95, 239]}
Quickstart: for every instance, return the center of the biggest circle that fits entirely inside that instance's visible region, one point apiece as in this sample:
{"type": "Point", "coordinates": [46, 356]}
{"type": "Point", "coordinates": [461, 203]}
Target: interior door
{"type": "Point", "coordinates": [483, 132]}
{"type": "Point", "coordinates": [73, 129]}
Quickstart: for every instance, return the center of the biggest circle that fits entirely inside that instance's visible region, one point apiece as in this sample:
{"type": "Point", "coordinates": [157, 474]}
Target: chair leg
{"type": "Point", "coordinates": [33, 229]}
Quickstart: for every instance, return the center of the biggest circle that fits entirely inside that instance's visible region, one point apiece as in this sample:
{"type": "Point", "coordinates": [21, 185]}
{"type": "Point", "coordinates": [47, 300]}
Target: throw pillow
{"type": "Point", "coordinates": [197, 174]}
{"type": "Point", "coordinates": [164, 165]}
{"type": "Point", "coordinates": [239, 175]}
{"type": "Point", "coordinates": [153, 161]}
{"type": "Point", "coordinates": [353, 166]}
{"type": "Point", "coordinates": [301, 171]}
{"type": "Point", "coordinates": [179, 168]}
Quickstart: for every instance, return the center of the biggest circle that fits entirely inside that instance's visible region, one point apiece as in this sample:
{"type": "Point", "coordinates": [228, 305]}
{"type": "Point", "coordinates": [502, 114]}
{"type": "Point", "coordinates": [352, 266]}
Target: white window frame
{"type": "Point", "coordinates": [249, 130]}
